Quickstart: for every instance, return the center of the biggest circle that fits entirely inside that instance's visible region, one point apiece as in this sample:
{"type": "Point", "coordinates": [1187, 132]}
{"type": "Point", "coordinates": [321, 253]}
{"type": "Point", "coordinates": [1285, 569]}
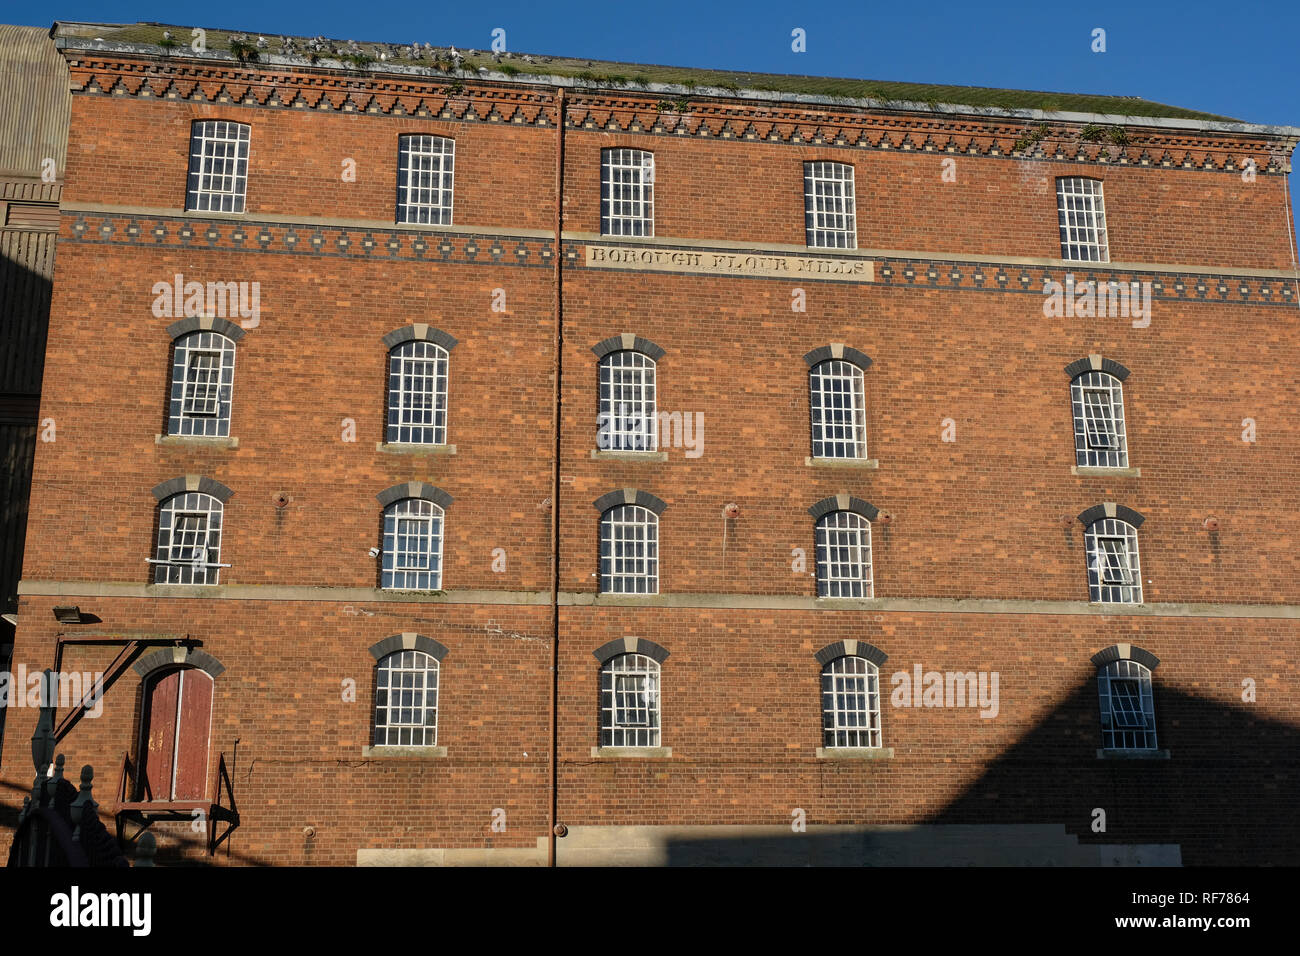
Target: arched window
{"type": "Point", "coordinates": [1081, 215]}
{"type": "Point", "coordinates": [1099, 436]}
{"type": "Point", "coordinates": [202, 379]}
{"type": "Point", "coordinates": [412, 556]}
{"type": "Point", "coordinates": [218, 175]}
{"type": "Point", "coordinates": [189, 539]}
{"type": "Point", "coordinates": [425, 170]}
{"type": "Point", "coordinates": [838, 400]}
{"type": "Point", "coordinates": [1114, 573]}
{"type": "Point", "coordinates": [843, 555]}
{"type": "Point", "coordinates": [627, 204]}
{"type": "Point", "coordinates": [629, 550]}
{"type": "Point", "coordinates": [629, 701]}
{"type": "Point", "coordinates": [627, 419]}
{"type": "Point", "coordinates": [830, 217]}
{"type": "Point", "coordinates": [406, 700]}
{"type": "Point", "coordinates": [417, 393]}
{"type": "Point", "coordinates": [850, 703]}
{"type": "Point", "coordinates": [1128, 713]}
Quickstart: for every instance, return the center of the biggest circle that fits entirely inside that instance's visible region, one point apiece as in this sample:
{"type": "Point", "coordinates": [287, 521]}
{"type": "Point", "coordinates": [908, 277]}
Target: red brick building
{"type": "Point", "coordinates": [898, 475]}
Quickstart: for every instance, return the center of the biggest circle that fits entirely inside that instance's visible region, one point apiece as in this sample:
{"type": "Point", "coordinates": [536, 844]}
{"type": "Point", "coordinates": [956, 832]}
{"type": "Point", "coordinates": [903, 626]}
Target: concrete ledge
{"type": "Point", "coordinates": [643, 456]}
{"type": "Point", "coordinates": [457, 856]}
{"type": "Point", "coordinates": [649, 753]}
{"type": "Point", "coordinates": [1132, 754]}
{"type": "Point", "coordinates": [855, 753]}
{"type": "Point", "coordinates": [195, 441]}
{"type": "Point", "coordinates": [1088, 471]}
{"type": "Point", "coordinates": [842, 462]}
{"type": "Point", "coordinates": [425, 753]}
{"type": "Point", "coordinates": [414, 448]}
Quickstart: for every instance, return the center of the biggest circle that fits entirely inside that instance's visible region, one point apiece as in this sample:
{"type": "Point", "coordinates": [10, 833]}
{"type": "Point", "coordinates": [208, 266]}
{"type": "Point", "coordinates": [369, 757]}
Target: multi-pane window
{"type": "Point", "coordinates": [203, 375]}
{"type": "Point", "coordinates": [629, 701]}
{"type": "Point", "coordinates": [1081, 215]}
{"type": "Point", "coordinates": [413, 545]}
{"type": "Point", "coordinates": [425, 167]}
{"type": "Point", "coordinates": [1114, 575]}
{"type": "Point", "coordinates": [629, 550]}
{"type": "Point", "coordinates": [1099, 438]}
{"type": "Point", "coordinates": [406, 700]}
{"type": "Point", "coordinates": [626, 419]}
{"type": "Point", "coordinates": [189, 540]}
{"type": "Point", "coordinates": [627, 204]}
{"type": "Point", "coordinates": [843, 555]}
{"type": "Point", "coordinates": [218, 166]}
{"type": "Point", "coordinates": [850, 703]}
{"type": "Point", "coordinates": [417, 393]}
{"type": "Point", "coordinates": [1128, 713]}
{"type": "Point", "coordinates": [829, 215]}
{"type": "Point", "coordinates": [839, 410]}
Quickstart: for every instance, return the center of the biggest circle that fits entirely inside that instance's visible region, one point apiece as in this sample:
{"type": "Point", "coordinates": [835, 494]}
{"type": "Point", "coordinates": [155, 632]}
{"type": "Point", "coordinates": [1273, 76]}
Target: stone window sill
{"type": "Point", "coordinates": [414, 448]}
{"type": "Point", "coordinates": [418, 753]}
{"type": "Point", "coordinates": [610, 455]}
{"type": "Point", "coordinates": [1132, 754]}
{"type": "Point", "coordinates": [842, 462]}
{"type": "Point", "coordinates": [1089, 471]}
{"type": "Point", "coordinates": [195, 441]}
{"type": "Point", "coordinates": [855, 753]}
{"type": "Point", "coordinates": [604, 753]}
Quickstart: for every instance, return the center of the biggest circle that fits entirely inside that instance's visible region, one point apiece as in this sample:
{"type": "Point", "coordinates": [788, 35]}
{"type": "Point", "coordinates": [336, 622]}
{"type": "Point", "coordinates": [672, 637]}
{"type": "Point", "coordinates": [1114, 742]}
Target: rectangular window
{"type": "Point", "coordinates": [218, 166]}
{"type": "Point", "coordinates": [1099, 418]}
{"type": "Point", "coordinates": [189, 538]}
{"type": "Point", "coordinates": [1081, 215]}
{"type": "Point", "coordinates": [627, 205]}
{"type": "Point", "coordinates": [425, 169]}
{"type": "Point", "coordinates": [203, 383]}
{"type": "Point", "coordinates": [829, 214]}
{"type": "Point", "coordinates": [1115, 569]}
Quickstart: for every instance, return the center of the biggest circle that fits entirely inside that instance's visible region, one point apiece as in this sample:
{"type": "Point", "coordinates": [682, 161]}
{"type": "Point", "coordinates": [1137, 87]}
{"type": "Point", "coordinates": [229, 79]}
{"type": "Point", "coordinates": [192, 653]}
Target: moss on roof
{"type": "Point", "coordinates": [633, 76]}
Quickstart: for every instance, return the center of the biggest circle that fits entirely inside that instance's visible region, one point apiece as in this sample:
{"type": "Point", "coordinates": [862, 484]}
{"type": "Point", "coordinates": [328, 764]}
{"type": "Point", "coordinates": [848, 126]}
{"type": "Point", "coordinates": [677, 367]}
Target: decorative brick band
{"type": "Point", "coordinates": [838, 351]}
{"type": "Point", "coordinates": [182, 656]}
{"type": "Point", "coordinates": [629, 496]}
{"type": "Point", "coordinates": [627, 342]}
{"type": "Point", "coordinates": [630, 645]}
{"type": "Point", "coordinates": [206, 486]}
{"type": "Point", "coordinates": [1095, 363]}
{"type": "Point", "coordinates": [1109, 509]}
{"type": "Point", "coordinates": [414, 489]}
{"type": "Point", "coordinates": [408, 641]}
{"type": "Point", "coordinates": [1125, 652]}
{"type": "Point", "coordinates": [844, 502]}
{"type": "Point", "coordinates": [419, 333]}
{"type": "Point", "coordinates": [205, 324]}
{"type": "Point", "coordinates": [851, 648]}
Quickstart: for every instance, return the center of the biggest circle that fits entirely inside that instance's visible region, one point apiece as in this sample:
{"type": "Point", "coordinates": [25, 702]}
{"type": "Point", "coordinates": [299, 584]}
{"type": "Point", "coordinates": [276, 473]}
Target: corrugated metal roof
{"type": "Point", "coordinates": [35, 103]}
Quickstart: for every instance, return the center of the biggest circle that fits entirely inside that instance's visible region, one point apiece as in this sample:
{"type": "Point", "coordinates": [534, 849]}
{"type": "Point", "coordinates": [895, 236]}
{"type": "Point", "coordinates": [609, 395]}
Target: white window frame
{"type": "Point", "coordinates": [1114, 569]}
{"type": "Point", "coordinates": [630, 687]}
{"type": "Point", "coordinates": [405, 568]}
{"type": "Point", "coordinates": [426, 173]}
{"type": "Point", "coordinates": [181, 418]}
{"type": "Point", "coordinates": [627, 182]}
{"type": "Point", "coordinates": [1132, 726]}
{"type": "Point", "coordinates": [837, 399]}
{"type": "Point", "coordinates": [844, 556]}
{"type": "Point", "coordinates": [1081, 218]}
{"type": "Point", "coordinates": [1098, 397]}
{"type": "Point", "coordinates": [830, 205]}
{"type": "Point", "coordinates": [406, 700]}
{"type": "Point", "coordinates": [418, 373]}
{"type": "Point", "coordinates": [851, 703]}
{"type": "Point", "coordinates": [629, 550]}
{"type": "Point", "coordinates": [192, 556]}
{"type": "Point", "coordinates": [627, 408]}
{"type": "Point", "coordinates": [218, 172]}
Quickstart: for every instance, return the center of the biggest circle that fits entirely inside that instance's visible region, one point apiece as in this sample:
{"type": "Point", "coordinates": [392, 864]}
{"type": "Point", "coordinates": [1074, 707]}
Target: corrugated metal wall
{"type": "Point", "coordinates": [34, 102]}
{"type": "Point", "coordinates": [26, 271]}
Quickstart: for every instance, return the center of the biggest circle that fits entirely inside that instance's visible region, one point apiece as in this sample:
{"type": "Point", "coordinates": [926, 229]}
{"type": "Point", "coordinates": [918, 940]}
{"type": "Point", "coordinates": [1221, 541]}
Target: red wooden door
{"type": "Point", "coordinates": [179, 715]}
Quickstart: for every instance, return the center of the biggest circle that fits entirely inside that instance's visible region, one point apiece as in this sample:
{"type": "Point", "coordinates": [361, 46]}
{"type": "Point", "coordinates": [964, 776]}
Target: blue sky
{"type": "Point", "coordinates": [1219, 58]}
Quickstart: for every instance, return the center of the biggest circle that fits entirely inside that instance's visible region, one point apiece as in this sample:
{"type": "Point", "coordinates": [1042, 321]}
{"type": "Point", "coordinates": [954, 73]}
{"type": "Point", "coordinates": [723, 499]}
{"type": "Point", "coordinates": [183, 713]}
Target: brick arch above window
{"type": "Point", "coordinates": [630, 645]}
{"type": "Point", "coordinates": [1125, 652]}
{"type": "Point", "coordinates": [408, 641]}
{"type": "Point", "coordinates": [851, 648]}
{"type": "Point", "coordinates": [1095, 363]}
{"type": "Point", "coordinates": [199, 483]}
{"type": "Point", "coordinates": [419, 333]}
{"type": "Point", "coordinates": [627, 342]}
{"type": "Point", "coordinates": [205, 323]}
{"type": "Point", "coordinates": [629, 496]}
{"type": "Point", "coordinates": [844, 502]}
{"type": "Point", "coordinates": [415, 489]}
{"type": "Point", "coordinates": [838, 350]}
{"type": "Point", "coordinates": [1109, 509]}
{"type": "Point", "coordinates": [179, 656]}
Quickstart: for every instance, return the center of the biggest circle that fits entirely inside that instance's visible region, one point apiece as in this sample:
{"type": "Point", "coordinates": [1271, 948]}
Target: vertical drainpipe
{"type": "Point", "coordinates": [558, 347]}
